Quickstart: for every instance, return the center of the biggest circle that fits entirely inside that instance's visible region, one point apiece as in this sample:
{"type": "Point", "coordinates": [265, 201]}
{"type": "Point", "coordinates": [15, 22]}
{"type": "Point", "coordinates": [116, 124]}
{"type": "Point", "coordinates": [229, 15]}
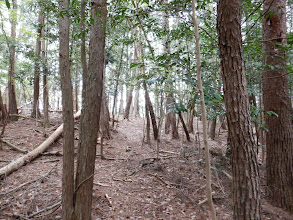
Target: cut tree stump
{"type": "Point", "coordinates": [16, 164]}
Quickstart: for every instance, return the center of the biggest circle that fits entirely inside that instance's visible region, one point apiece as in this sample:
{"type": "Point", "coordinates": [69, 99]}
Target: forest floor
{"type": "Point", "coordinates": [130, 183]}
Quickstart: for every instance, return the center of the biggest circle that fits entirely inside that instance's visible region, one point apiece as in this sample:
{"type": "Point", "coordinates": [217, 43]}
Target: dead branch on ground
{"type": "Point", "coordinates": [167, 183]}
{"type": "Point", "coordinates": [22, 116]}
{"type": "Point", "coordinates": [13, 146]}
{"type": "Point", "coordinates": [109, 201]}
{"type": "Point", "coordinates": [101, 184]}
{"type": "Point", "coordinates": [47, 208]}
{"type": "Point", "coordinates": [52, 153]}
{"type": "Point", "coordinates": [16, 164]}
{"type": "Point", "coordinates": [30, 182]}
{"type": "Point", "coordinates": [223, 171]}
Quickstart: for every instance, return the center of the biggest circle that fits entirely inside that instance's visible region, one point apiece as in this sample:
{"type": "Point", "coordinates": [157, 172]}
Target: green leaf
{"type": "Point", "coordinates": [7, 4]}
{"type": "Point", "coordinates": [132, 65]}
{"type": "Point", "coordinates": [270, 113]}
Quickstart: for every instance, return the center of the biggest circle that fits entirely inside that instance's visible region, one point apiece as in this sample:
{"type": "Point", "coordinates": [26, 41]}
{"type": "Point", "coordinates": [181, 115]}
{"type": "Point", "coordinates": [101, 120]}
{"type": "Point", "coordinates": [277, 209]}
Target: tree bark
{"type": "Point", "coordinates": [67, 106]}
{"type": "Point", "coordinates": [279, 138]}
{"type": "Point", "coordinates": [245, 183]}
{"type": "Point", "coordinates": [90, 117]}
{"type": "Point", "coordinates": [11, 73]}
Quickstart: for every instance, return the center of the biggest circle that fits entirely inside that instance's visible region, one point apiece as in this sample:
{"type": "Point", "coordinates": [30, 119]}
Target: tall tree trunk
{"type": "Point", "coordinates": [223, 122]}
{"type": "Point", "coordinates": [3, 110]}
{"type": "Point", "coordinates": [170, 116]}
{"type": "Point", "coordinates": [67, 106]}
{"type": "Point", "coordinates": [11, 73]}
{"type": "Point", "coordinates": [90, 117]}
{"type": "Point", "coordinates": [83, 45]}
{"type": "Point", "coordinates": [151, 111]}
{"type": "Point", "coordinates": [76, 90]}
{"type": "Point", "coordinates": [245, 183]}
{"type": "Point", "coordinates": [279, 138]}
{"type": "Point", "coordinates": [212, 133]}
{"type": "Point", "coordinates": [45, 84]}
{"type": "Point", "coordinates": [116, 86]}
{"type": "Point", "coordinates": [191, 117]}
{"type": "Point", "coordinates": [184, 126]}
{"type": "Point", "coordinates": [121, 110]}
{"type": "Point", "coordinates": [3, 117]}
{"type": "Point", "coordinates": [136, 102]}
{"type": "Point", "coordinates": [148, 122]}
{"type": "Point", "coordinates": [128, 104]}
{"type": "Point", "coordinates": [147, 98]}
{"type": "Point", "coordinates": [36, 111]}
{"type": "Point", "coordinates": [105, 127]}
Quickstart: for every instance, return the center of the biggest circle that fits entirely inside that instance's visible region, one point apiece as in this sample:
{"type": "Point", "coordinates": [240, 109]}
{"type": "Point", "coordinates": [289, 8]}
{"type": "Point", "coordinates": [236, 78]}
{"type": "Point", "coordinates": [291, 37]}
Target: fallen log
{"type": "Point", "coordinates": [16, 164]}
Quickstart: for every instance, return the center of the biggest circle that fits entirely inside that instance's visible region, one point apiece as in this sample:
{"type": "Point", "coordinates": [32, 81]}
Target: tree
{"type": "Point", "coordinates": [67, 105]}
{"type": "Point", "coordinates": [170, 116]}
{"type": "Point", "coordinates": [11, 73]}
{"type": "Point", "coordinates": [36, 110]}
{"type": "Point", "coordinates": [105, 117]}
{"type": "Point", "coordinates": [279, 138]}
{"type": "Point", "coordinates": [128, 103]}
{"type": "Point", "coordinates": [90, 116]}
{"type": "Point", "coordinates": [245, 183]}
{"type": "Point", "coordinates": [45, 84]}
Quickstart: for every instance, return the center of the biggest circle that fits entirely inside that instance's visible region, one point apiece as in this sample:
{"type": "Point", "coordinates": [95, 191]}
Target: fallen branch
{"type": "Point", "coordinates": [109, 201]}
{"type": "Point", "coordinates": [122, 180]}
{"type": "Point", "coordinates": [58, 204]}
{"type": "Point", "coordinates": [164, 181]}
{"type": "Point", "coordinates": [168, 152]}
{"type": "Point", "coordinates": [16, 164]}
{"type": "Point", "coordinates": [13, 146]}
{"type": "Point", "coordinates": [21, 116]}
{"type": "Point", "coordinates": [223, 171]}
{"type": "Point", "coordinates": [53, 153]}
{"type": "Point", "coordinates": [162, 156]}
{"type": "Point", "coordinates": [203, 201]}
{"type": "Point", "coordinates": [30, 182]}
{"type": "Point", "coordinates": [227, 174]}
{"type": "Point", "coordinates": [51, 161]}
{"type": "Point", "coordinates": [102, 184]}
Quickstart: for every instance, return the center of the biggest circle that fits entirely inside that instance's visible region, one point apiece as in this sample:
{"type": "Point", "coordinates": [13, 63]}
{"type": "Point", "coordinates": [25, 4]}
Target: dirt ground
{"type": "Point", "coordinates": [130, 184]}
